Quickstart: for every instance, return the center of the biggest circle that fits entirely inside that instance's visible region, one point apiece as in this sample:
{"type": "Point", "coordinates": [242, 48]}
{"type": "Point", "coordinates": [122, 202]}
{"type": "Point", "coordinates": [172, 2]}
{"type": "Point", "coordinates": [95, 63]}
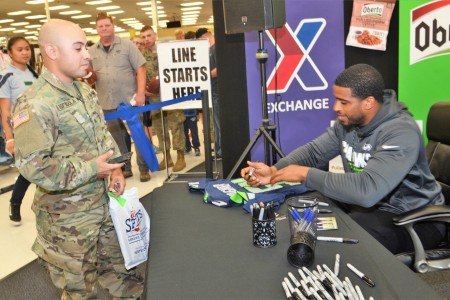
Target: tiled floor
{"type": "Point", "coordinates": [16, 242]}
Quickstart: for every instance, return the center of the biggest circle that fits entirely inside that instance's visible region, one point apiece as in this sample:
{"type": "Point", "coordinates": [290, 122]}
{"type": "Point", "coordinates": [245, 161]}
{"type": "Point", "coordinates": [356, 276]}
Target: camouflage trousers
{"type": "Point", "coordinates": [173, 121]}
{"type": "Point", "coordinates": [79, 249]}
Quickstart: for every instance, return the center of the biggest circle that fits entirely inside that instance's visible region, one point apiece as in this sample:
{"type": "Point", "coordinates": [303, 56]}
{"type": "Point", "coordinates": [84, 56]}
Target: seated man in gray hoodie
{"type": "Point", "coordinates": [383, 151]}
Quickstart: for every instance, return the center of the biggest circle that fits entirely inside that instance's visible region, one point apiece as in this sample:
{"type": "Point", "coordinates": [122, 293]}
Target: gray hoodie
{"type": "Point", "coordinates": [384, 162]}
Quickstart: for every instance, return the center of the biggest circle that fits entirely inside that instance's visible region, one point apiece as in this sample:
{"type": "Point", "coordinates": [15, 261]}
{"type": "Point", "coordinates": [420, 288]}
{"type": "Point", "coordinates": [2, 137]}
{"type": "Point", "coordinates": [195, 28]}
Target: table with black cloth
{"type": "Point", "coordinates": [200, 251]}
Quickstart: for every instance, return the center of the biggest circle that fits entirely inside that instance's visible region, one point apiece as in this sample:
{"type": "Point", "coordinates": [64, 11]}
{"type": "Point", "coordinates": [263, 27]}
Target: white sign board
{"type": "Point", "coordinates": [184, 70]}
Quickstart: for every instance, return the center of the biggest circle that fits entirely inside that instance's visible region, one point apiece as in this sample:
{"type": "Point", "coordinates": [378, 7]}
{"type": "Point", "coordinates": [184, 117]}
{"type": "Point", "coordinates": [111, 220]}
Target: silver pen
{"type": "Point", "coordinates": [251, 173]}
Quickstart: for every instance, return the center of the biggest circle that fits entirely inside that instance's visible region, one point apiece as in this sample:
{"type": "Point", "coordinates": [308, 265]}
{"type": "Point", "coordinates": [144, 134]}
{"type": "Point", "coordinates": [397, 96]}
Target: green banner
{"type": "Point", "coordinates": [424, 60]}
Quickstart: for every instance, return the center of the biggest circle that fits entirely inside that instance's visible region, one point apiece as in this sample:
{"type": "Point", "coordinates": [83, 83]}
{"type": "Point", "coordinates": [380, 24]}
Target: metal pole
{"type": "Point", "coordinates": [47, 10]}
{"type": "Point", "coordinates": [262, 56]}
{"type": "Point", "coordinates": [207, 134]}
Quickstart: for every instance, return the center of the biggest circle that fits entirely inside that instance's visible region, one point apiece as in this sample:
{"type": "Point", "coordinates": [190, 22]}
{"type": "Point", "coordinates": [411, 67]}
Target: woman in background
{"type": "Point", "coordinates": [14, 80]}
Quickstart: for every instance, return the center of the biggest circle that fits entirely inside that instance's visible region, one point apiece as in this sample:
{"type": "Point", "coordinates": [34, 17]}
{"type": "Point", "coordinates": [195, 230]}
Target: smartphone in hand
{"type": "Point", "coordinates": [121, 159]}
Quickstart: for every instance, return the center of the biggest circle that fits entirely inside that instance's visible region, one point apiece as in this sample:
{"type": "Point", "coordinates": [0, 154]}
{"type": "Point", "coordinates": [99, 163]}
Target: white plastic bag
{"type": "Point", "coordinates": [132, 224]}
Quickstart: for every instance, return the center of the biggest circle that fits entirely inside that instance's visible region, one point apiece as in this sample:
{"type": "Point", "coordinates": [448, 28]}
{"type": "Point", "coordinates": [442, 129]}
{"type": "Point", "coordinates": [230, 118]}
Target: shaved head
{"type": "Point", "coordinates": [55, 30]}
{"type": "Point", "coordinates": [63, 47]}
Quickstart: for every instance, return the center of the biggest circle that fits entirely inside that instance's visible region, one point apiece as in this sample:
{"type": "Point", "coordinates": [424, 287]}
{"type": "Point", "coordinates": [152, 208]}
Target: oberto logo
{"type": "Point", "coordinates": [294, 49]}
{"type": "Point", "coordinates": [430, 31]}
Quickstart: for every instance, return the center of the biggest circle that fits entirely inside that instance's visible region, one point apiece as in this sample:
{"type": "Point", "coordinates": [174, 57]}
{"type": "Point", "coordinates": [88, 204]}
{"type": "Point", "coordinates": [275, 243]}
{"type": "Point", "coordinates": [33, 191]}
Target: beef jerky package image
{"type": "Point", "coordinates": [369, 25]}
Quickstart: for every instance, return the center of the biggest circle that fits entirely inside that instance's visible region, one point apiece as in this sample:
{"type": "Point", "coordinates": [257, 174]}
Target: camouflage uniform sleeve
{"type": "Point", "coordinates": [36, 157]}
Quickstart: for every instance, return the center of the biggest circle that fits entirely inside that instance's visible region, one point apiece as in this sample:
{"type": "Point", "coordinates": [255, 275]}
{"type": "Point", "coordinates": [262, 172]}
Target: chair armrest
{"type": "Point", "coordinates": [421, 214]}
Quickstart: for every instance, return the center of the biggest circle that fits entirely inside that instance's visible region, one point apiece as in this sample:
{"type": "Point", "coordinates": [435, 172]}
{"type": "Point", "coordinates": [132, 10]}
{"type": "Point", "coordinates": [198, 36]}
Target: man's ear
{"type": "Point", "coordinates": [369, 102]}
{"type": "Point", "coordinates": [51, 51]}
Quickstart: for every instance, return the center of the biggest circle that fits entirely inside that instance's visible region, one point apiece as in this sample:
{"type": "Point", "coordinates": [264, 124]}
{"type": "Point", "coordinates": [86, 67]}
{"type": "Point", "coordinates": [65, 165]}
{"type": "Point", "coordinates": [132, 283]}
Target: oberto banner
{"type": "Point", "coordinates": [424, 60]}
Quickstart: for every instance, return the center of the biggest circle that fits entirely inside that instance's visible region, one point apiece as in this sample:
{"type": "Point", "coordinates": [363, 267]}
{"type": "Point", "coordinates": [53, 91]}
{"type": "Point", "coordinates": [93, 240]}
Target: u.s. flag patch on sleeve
{"type": "Point", "coordinates": [21, 117]}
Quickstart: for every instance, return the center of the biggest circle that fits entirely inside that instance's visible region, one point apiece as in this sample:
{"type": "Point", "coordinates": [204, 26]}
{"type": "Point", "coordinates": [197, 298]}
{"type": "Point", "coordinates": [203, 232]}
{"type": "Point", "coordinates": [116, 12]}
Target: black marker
{"type": "Point", "coordinates": [360, 274]}
{"type": "Point", "coordinates": [337, 240]}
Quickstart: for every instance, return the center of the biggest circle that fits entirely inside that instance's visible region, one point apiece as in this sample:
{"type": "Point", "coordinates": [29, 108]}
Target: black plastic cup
{"type": "Point", "coordinates": [302, 215]}
{"type": "Point", "coordinates": [264, 233]}
{"type": "Point", "coordinates": [301, 251]}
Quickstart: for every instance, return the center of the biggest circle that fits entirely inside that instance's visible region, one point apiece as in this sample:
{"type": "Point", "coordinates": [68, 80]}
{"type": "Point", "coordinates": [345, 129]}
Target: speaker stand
{"type": "Point", "coordinates": [265, 128]}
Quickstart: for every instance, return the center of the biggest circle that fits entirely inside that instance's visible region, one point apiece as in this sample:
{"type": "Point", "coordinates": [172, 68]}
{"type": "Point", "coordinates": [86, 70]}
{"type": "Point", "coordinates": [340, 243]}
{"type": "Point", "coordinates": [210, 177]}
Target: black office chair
{"type": "Point", "coordinates": [438, 153]}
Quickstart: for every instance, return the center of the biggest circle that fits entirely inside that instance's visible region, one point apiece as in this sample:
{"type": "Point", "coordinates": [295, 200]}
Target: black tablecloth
{"type": "Point", "coordinates": [200, 251]}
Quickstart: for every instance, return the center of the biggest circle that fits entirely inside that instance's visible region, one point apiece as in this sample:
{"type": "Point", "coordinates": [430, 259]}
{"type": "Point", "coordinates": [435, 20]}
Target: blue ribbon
{"type": "Point", "coordinates": [130, 114]}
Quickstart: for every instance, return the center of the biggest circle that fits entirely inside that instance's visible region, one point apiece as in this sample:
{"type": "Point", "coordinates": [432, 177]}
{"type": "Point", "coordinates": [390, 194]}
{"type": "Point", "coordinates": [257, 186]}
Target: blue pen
{"type": "Point", "coordinates": [297, 214]}
{"type": "Point", "coordinates": [297, 218]}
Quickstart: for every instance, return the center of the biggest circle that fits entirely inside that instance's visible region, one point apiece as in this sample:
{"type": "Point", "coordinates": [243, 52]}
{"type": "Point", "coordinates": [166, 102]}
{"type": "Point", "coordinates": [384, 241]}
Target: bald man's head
{"type": "Point", "coordinates": [63, 47]}
{"type": "Point", "coordinates": [53, 31]}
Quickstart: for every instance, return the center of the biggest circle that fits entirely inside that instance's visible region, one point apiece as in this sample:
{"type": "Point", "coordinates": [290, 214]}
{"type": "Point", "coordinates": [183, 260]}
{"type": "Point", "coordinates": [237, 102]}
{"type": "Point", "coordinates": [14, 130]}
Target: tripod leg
{"type": "Point", "coordinates": [272, 129]}
{"type": "Point", "coordinates": [245, 153]}
{"type": "Point", "coordinates": [272, 142]}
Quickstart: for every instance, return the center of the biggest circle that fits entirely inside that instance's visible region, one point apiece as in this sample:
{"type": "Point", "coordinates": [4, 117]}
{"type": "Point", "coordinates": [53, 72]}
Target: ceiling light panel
{"type": "Point", "coordinates": [191, 8]}
{"type": "Point", "coordinates": [116, 12]}
{"type": "Point", "coordinates": [35, 17]}
{"type": "Point", "coordinates": [58, 7]}
{"type": "Point", "coordinates": [105, 8]}
{"type": "Point", "coordinates": [147, 3]}
{"type": "Point", "coordinates": [97, 2]}
{"type": "Point", "coordinates": [38, 1]}
{"type": "Point", "coordinates": [33, 26]}
{"type": "Point", "coordinates": [191, 3]}
{"type": "Point", "coordinates": [70, 12]}
{"type": "Point", "coordinates": [18, 13]}
{"type": "Point", "coordinates": [20, 24]}
{"type": "Point", "coordinates": [85, 16]}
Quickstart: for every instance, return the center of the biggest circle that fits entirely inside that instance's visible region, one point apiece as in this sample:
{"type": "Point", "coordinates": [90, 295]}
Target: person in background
{"type": "Point", "coordinates": [120, 70]}
{"type": "Point", "coordinates": [190, 126]}
{"type": "Point", "coordinates": [173, 119]}
{"type": "Point", "coordinates": [137, 41]}
{"type": "Point", "coordinates": [146, 117]}
{"type": "Point", "coordinates": [190, 123]}
{"type": "Point", "coordinates": [179, 34]}
{"type": "Point", "coordinates": [15, 78]}
{"type": "Point", "coordinates": [63, 145]}
{"type": "Point", "coordinates": [383, 151]}
{"type": "Point", "coordinates": [203, 33]}
{"type": "Point", "coordinates": [5, 158]}
{"type": "Point", "coordinates": [4, 58]}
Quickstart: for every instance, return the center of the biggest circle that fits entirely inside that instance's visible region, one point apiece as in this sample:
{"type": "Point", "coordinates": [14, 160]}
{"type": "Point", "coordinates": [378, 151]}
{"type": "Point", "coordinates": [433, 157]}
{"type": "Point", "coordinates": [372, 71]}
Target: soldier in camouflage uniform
{"type": "Point", "coordinates": [173, 119]}
{"type": "Point", "coordinates": [62, 145]}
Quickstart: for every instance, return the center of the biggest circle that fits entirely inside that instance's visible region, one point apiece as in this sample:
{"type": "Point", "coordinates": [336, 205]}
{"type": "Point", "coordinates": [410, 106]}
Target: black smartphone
{"type": "Point", "coordinates": [120, 159]}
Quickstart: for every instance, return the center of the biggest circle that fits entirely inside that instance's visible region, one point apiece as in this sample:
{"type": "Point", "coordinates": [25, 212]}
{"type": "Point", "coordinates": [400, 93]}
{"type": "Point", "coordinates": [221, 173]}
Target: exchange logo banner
{"type": "Point", "coordinates": [305, 56]}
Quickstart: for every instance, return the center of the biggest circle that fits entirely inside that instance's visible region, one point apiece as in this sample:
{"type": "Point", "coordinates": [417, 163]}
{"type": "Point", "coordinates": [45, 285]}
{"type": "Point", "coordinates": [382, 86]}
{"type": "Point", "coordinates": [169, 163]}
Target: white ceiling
{"type": "Point", "coordinates": [170, 10]}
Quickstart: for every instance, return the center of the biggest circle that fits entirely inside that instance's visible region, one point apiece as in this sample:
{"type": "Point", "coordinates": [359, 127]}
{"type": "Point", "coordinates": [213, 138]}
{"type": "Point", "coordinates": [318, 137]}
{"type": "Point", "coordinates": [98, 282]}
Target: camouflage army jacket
{"type": "Point", "coordinates": [59, 130]}
{"type": "Point", "coordinates": [151, 64]}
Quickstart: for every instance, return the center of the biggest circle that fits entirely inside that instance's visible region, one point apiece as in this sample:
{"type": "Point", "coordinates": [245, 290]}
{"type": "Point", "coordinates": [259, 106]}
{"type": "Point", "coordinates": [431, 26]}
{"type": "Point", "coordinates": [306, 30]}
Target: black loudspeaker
{"type": "Point", "coordinates": [253, 15]}
{"type": "Point", "coordinates": [173, 24]}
